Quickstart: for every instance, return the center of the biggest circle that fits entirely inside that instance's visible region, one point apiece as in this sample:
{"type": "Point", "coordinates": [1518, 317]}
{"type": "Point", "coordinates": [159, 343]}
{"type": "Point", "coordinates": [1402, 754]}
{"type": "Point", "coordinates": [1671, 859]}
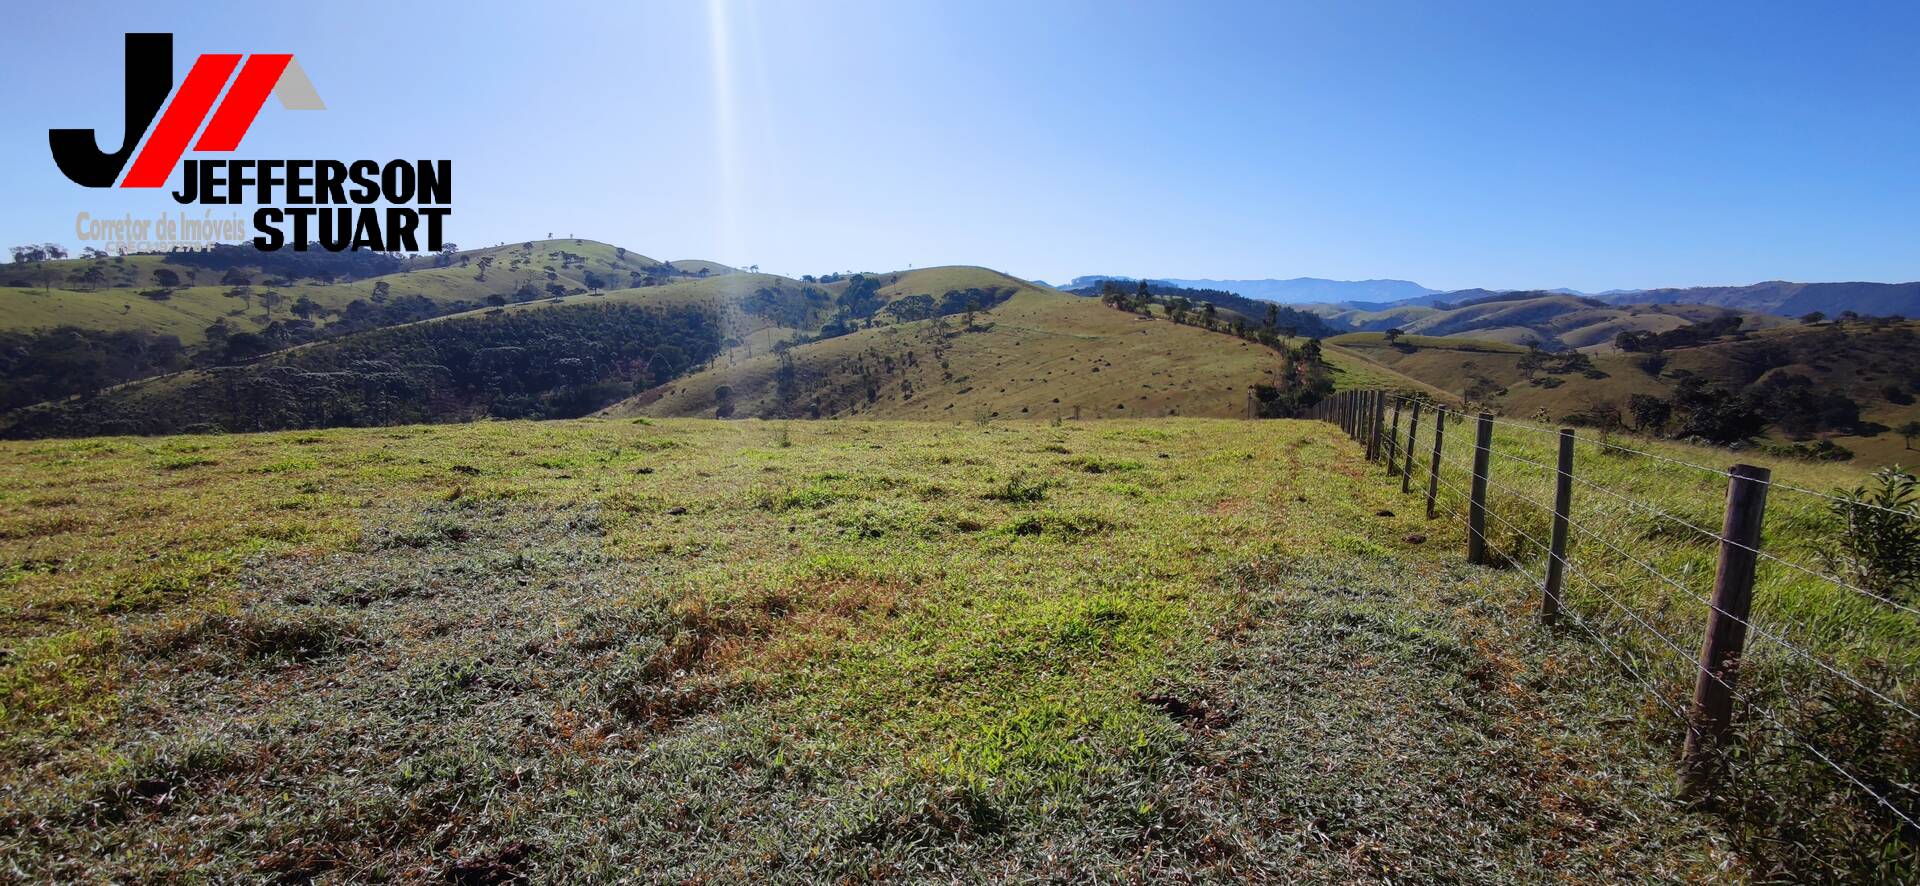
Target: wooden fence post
{"type": "Point", "coordinates": [1374, 428]}
{"type": "Point", "coordinates": [1477, 506]}
{"type": "Point", "coordinates": [1413, 433]}
{"type": "Point", "coordinates": [1711, 715]}
{"type": "Point", "coordinates": [1433, 470]}
{"type": "Point", "coordinates": [1392, 449]}
{"type": "Point", "coordinates": [1557, 553]}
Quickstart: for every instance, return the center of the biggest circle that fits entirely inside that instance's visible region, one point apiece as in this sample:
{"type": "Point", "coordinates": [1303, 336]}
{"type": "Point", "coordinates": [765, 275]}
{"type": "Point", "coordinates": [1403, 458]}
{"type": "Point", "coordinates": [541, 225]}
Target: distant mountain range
{"type": "Point", "coordinates": [1788, 299]}
{"type": "Point", "coordinates": [1772, 297]}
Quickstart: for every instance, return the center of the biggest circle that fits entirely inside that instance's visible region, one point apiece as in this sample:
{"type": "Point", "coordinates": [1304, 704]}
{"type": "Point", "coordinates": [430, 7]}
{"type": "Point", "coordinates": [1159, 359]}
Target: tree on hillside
{"type": "Point", "coordinates": [1393, 335]}
{"type": "Point", "coordinates": [38, 252]}
{"type": "Point", "coordinates": [1650, 413]}
{"type": "Point", "coordinates": [1532, 361]}
{"type": "Point", "coordinates": [1811, 318]}
{"type": "Point", "coordinates": [1715, 414]}
{"type": "Point", "coordinates": [1909, 431]}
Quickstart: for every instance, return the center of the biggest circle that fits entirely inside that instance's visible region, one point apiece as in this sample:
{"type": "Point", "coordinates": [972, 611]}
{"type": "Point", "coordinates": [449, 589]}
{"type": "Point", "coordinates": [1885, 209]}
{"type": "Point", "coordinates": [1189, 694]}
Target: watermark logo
{"type": "Point", "coordinates": [330, 203]}
{"type": "Point", "coordinates": [149, 77]}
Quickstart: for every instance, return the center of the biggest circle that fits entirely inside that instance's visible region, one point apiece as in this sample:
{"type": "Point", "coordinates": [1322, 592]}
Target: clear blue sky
{"type": "Point", "coordinates": [1503, 145]}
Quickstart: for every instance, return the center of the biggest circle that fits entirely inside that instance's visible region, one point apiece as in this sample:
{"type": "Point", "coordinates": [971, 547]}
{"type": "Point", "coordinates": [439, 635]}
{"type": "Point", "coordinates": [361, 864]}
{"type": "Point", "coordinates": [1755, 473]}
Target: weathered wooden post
{"type": "Point", "coordinates": [1392, 449]}
{"type": "Point", "coordinates": [1710, 717]}
{"type": "Point", "coordinates": [1433, 469]}
{"type": "Point", "coordinates": [1413, 433]}
{"type": "Point", "coordinates": [1477, 505]}
{"type": "Point", "coordinates": [1376, 425]}
{"type": "Point", "coordinates": [1557, 551]}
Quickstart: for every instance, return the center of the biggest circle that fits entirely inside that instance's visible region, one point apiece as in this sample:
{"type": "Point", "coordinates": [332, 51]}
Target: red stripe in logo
{"type": "Point", "coordinates": [244, 100]}
{"type": "Point", "coordinates": [183, 115]}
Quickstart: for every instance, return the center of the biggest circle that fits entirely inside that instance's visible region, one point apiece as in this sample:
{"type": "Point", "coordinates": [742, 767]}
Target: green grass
{"type": "Point", "coordinates": [722, 650]}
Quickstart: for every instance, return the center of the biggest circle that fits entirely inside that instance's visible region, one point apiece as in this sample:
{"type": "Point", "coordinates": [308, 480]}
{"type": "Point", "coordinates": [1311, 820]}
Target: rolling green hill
{"type": "Point", "coordinates": [552, 357]}
{"type": "Point", "coordinates": [1791, 369]}
{"type": "Point", "coordinates": [254, 298]}
{"type": "Point", "coordinates": [1554, 320]}
{"type": "Point", "coordinates": [77, 326]}
{"type": "Point", "coordinates": [1037, 354]}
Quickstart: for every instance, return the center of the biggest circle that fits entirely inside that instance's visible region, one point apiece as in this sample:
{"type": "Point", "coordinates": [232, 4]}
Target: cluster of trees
{"type": "Point", "coordinates": [227, 347]}
{"type": "Point", "coordinates": [558, 363]}
{"type": "Point", "coordinates": [1255, 320]}
{"type": "Point", "coordinates": [784, 307]}
{"type": "Point", "coordinates": [1703, 410]}
{"type": "Point", "coordinates": [1765, 384]}
{"type": "Point", "coordinates": [1848, 318]}
{"type": "Point", "coordinates": [860, 302]}
{"type": "Point", "coordinates": [1303, 378]}
{"type": "Point", "coordinates": [1686, 336]}
{"type": "Point", "coordinates": [69, 361]}
{"type": "Point", "coordinates": [1537, 360]}
{"type": "Point", "coordinates": [38, 252]}
{"type": "Point", "coordinates": [1303, 381]}
{"type": "Point", "coordinates": [287, 264]}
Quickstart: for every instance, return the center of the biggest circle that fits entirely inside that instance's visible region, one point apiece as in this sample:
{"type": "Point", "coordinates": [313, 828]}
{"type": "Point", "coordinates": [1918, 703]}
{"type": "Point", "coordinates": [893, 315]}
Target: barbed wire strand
{"type": "Point", "coordinates": [1647, 682]}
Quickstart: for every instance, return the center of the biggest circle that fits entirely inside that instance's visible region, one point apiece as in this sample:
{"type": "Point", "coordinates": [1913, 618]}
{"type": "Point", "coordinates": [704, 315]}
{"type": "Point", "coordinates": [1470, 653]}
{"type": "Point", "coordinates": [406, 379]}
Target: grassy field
{"type": "Point", "coordinates": [680, 650]}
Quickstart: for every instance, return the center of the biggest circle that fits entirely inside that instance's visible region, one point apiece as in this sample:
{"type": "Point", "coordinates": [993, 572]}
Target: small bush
{"type": "Point", "coordinates": [1822, 450]}
{"type": "Point", "coordinates": [1875, 532]}
{"type": "Point", "coordinates": [1019, 489]}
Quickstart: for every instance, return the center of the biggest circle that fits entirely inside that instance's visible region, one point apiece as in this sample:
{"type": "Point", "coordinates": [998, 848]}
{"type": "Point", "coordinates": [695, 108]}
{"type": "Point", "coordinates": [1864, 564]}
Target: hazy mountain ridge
{"type": "Point", "coordinates": [1780, 297]}
{"type": "Point", "coordinates": [1789, 299]}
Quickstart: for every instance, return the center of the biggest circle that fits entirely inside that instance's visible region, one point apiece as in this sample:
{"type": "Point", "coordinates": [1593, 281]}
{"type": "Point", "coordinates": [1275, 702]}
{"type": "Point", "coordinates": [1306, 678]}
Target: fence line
{"type": "Point", "coordinates": [1656, 573]}
{"type": "Point", "coordinates": [1710, 721]}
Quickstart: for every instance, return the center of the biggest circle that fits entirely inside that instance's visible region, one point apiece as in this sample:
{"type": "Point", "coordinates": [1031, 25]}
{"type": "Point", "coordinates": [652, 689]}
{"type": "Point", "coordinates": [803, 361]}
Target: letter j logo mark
{"type": "Point", "coordinates": [149, 82]}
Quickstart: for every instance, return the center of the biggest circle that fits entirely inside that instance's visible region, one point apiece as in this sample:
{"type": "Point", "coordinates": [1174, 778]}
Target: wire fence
{"type": "Point", "coordinates": [1631, 575]}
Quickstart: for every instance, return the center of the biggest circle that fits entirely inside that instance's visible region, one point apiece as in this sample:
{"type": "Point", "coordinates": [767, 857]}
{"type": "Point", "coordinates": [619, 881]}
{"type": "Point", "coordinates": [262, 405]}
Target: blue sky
{"type": "Point", "coordinates": [1505, 145]}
